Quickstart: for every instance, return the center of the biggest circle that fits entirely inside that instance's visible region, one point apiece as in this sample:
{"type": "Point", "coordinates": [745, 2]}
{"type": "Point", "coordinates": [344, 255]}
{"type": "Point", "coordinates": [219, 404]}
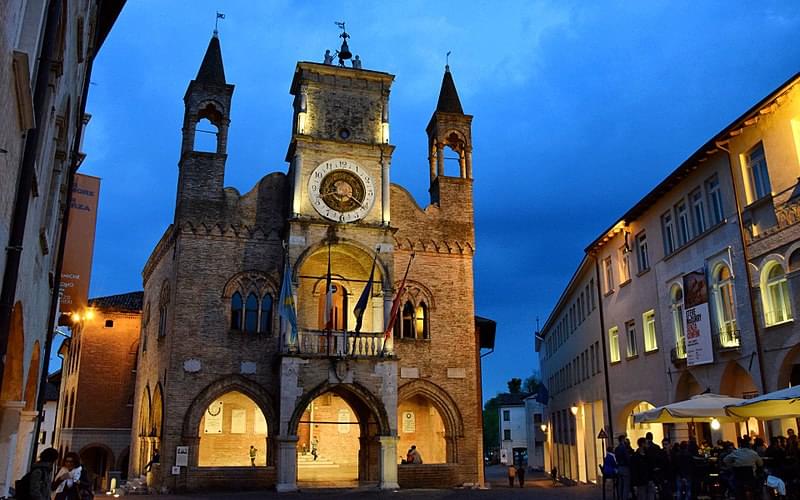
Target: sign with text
{"type": "Point", "coordinates": [79, 246]}
{"type": "Point", "coordinates": [697, 324]}
{"type": "Point", "coordinates": [181, 457]}
{"type": "Point", "coordinates": [213, 418]}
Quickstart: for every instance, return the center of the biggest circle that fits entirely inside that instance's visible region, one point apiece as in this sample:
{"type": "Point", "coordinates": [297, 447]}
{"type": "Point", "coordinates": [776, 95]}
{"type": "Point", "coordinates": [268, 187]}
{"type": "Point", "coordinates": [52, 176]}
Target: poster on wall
{"type": "Point", "coordinates": [260, 423]}
{"type": "Point", "coordinates": [409, 422]}
{"type": "Point", "coordinates": [213, 418]}
{"type": "Point", "coordinates": [344, 421]}
{"type": "Point", "coordinates": [697, 323]}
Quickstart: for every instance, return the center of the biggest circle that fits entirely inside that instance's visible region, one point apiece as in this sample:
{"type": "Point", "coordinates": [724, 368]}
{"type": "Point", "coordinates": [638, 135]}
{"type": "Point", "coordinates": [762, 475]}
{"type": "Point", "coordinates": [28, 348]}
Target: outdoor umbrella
{"type": "Point", "coordinates": [697, 408]}
{"type": "Point", "coordinates": [784, 403]}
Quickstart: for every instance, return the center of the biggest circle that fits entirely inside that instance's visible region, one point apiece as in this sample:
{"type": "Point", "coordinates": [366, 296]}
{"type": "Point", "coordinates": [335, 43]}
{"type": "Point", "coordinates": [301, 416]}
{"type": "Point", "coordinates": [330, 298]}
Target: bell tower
{"type": "Point", "coordinates": [450, 128]}
{"type": "Point", "coordinates": [207, 107]}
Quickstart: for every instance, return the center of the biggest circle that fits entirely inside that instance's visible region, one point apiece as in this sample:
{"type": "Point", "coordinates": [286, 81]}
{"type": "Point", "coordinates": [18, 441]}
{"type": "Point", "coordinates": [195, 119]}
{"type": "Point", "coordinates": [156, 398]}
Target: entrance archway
{"type": "Point", "coordinates": [736, 382]}
{"type": "Point", "coordinates": [635, 431]}
{"type": "Point", "coordinates": [98, 460]}
{"type": "Point", "coordinates": [229, 427]}
{"type": "Point", "coordinates": [345, 420]}
{"type": "Point", "coordinates": [420, 424]}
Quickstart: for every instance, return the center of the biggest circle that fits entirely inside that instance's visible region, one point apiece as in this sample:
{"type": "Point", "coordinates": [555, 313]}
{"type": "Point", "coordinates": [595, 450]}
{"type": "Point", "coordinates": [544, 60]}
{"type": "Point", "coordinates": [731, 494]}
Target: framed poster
{"type": "Point", "coordinates": [213, 418]}
{"type": "Point", "coordinates": [409, 422]}
{"type": "Point", "coordinates": [238, 421]}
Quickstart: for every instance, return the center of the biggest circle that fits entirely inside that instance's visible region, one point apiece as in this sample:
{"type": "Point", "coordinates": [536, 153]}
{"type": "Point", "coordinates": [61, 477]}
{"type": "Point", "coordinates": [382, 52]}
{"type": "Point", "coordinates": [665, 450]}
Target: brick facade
{"type": "Point", "coordinates": [224, 247]}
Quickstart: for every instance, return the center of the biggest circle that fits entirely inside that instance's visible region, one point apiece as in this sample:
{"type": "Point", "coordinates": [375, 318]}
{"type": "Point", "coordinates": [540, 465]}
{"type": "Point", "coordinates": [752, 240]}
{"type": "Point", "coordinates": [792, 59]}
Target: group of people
{"type": "Point", "coordinates": [676, 469]}
{"type": "Point", "coordinates": [71, 482]}
{"type": "Point", "coordinates": [413, 456]}
{"type": "Point", "coordinates": [516, 471]}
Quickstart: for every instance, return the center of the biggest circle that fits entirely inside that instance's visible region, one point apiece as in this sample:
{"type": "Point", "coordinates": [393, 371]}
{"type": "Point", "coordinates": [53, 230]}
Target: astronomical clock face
{"type": "Point", "coordinates": [341, 190]}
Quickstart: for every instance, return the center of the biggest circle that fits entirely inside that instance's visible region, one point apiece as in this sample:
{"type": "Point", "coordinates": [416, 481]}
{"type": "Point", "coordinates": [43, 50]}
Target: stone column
{"type": "Point", "coordinates": [9, 425]}
{"type": "Point", "coordinates": [432, 162]}
{"type": "Point", "coordinates": [287, 464]}
{"type": "Point", "coordinates": [297, 167]}
{"type": "Point", "coordinates": [387, 311]}
{"type": "Point", "coordinates": [462, 164]}
{"type": "Point", "coordinates": [25, 442]}
{"type": "Point", "coordinates": [388, 463]}
{"type": "Point", "coordinates": [440, 159]}
{"type": "Point", "coordinates": [468, 153]}
{"type": "Point", "coordinates": [385, 194]}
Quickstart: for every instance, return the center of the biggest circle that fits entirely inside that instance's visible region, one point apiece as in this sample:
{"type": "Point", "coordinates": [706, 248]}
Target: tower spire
{"type": "Point", "coordinates": [211, 69]}
{"type": "Point", "coordinates": [448, 96]}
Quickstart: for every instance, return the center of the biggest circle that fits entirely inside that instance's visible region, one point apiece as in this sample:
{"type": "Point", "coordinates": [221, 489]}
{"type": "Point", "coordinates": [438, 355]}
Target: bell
{"type": "Point", "coordinates": [344, 52]}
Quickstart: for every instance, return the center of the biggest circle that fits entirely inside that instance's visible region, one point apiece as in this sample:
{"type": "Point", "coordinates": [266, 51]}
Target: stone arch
{"type": "Point", "coordinates": [766, 262]}
{"type": "Point", "coordinates": [444, 405]}
{"type": "Point", "coordinates": [260, 396]}
{"type": "Point", "coordinates": [97, 464]}
{"type": "Point", "coordinates": [212, 110]}
{"type": "Point", "coordinates": [144, 412]}
{"type": "Point", "coordinates": [156, 420]}
{"type": "Point", "coordinates": [634, 431]}
{"type": "Point", "coordinates": [794, 258]}
{"type": "Point", "coordinates": [417, 291]}
{"type": "Point", "coordinates": [368, 254]}
{"type": "Point", "coordinates": [360, 399]}
{"type": "Point", "coordinates": [33, 378]}
{"type": "Point", "coordinates": [13, 374]}
{"type": "Point", "coordinates": [789, 370]}
{"type": "Point", "coordinates": [687, 386]}
{"type": "Point", "coordinates": [102, 446]}
{"type": "Point", "coordinates": [251, 281]}
{"type": "Point", "coordinates": [736, 381]}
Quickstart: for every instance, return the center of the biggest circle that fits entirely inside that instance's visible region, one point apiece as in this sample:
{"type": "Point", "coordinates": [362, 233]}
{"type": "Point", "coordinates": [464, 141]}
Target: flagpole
{"type": "Point", "coordinates": [362, 303]}
{"type": "Point", "coordinates": [329, 302]}
{"type": "Point", "coordinates": [395, 307]}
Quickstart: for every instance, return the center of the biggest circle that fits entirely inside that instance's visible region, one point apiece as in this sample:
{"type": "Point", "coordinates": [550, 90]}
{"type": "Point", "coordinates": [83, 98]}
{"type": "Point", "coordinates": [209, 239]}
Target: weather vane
{"type": "Point", "coordinates": [447, 59]}
{"type": "Point", "coordinates": [220, 15]}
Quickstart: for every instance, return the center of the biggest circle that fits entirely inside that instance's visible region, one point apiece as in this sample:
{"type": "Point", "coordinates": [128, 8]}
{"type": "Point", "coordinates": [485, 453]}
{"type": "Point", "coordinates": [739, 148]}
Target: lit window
{"type": "Point", "coordinates": [684, 230]}
{"type": "Point", "coordinates": [757, 173]}
{"type": "Point", "coordinates": [714, 200]}
{"type": "Point", "coordinates": [613, 344]}
{"type": "Point", "coordinates": [609, 274]}
{"type": "Point", "coordinates": [236, 311]}
{"type": "Point", "coordinates": [649, 325]}
{"type": "Point", "coordinates": [630, 331]}
{"type": "Point", "coordinates": [698, 211]}
{"type": "Point", "coordinates": [641, 252]}
{"type": "Point", "coordinates": [676, 296]}
{"type": "Point", "coordinates": [775, 295]}
{"type": "Point", "coordinates": [421, 321]}
{"type": "Point", "coordinates": [725, 306]}
{"type": "Point", "coordinates": [624, 264]}
{"type": "Point", "coordinates": [668, 229]}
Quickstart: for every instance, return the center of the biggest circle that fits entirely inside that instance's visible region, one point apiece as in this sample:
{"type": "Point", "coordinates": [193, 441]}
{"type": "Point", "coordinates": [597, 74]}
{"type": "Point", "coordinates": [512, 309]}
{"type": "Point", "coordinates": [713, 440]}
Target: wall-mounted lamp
{"type": "Point", "coordinates": [385, 124]}
{"type": "Point", "coordinates": [302, 109]}
{"type": "Point", "coordinates": [574, 410]}
{"type": "Point", "coordinates": [715, 425]}
{"type": "Point", "coordinates": [543, 427]}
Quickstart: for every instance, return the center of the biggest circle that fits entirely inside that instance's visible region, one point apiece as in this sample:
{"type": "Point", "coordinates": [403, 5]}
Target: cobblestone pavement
{"type": "Point", "coordinates": [538, 487]}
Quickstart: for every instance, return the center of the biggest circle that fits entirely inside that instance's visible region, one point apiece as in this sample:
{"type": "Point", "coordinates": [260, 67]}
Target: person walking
{"type": "Point", "coordinates": [314, 444]}
{"type": "Point", "coordinates": [41, 475]}
{"type": "Point", "coordinates": [253, 452]}
{"type": "Point", "coordinates": [512, 473]}
{"type": "Point", "coordinates": [623, 455]}
{"type": "Point", "coordinates": [521, 475]}
{"type": "Point", "coordinates": [642, 472]}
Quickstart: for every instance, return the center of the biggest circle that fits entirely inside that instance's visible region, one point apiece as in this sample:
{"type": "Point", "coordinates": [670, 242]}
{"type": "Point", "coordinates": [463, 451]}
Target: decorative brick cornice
{"type": "Point", "coordinates": [237, 231]}
{"type": "Point", "coordinates": [453, 247]}
{"type": "Point", "coordinates": [165, 243]}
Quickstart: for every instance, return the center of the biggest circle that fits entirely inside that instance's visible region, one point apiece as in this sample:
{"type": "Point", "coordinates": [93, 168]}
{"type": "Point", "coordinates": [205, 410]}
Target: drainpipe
{"type": "Point", "coordinates": [54, 299]}
{"type": "Point", "coordinates": [605, 350]}
{"type": "Point", "coordinates": [25, 182]}
{"type": "Point", "coordinates": [746, 253]}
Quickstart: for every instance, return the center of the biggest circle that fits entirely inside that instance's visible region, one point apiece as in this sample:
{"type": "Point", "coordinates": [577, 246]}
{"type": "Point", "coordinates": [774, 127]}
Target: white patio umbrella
{"type": "Point", "coordinates": [784, 403]}
{"type": "Point", "coordinates": [695, 409]}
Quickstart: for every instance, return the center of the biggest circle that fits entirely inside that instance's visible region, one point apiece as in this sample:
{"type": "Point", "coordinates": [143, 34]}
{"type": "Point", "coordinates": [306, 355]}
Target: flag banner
{"type": "Point", "coordinates": [286, 306]}
{"type": "Point", "coordinates": [395, 306]}
{"type": "Point", "coordinates": [79, 247]}
{"type": "Point", "coordinates": [697, 325]}
{"type": "Point", "coordinates": [363, 301]}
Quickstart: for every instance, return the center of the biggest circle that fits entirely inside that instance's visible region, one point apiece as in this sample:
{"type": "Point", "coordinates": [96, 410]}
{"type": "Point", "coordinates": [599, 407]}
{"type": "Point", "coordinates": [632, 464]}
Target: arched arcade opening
{"type": "Point", "coordinates": [233, 433]}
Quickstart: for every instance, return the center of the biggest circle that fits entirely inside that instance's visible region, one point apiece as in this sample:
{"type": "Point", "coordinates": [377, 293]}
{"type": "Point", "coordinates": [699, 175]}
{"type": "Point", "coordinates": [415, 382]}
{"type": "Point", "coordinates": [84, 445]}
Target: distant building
{"type": "Point", "coordinates": [46, 53]}
{"type": "Point", "coordinates": [534, 418]}
{"type": "Point", "coordinates": [97, 383]}
{"type": "Point", "coordinates": [714, 249]}
{"type": "Point", "coordinates": [513, 428]}
{"type": "Point", "coordinates": [49, 413]}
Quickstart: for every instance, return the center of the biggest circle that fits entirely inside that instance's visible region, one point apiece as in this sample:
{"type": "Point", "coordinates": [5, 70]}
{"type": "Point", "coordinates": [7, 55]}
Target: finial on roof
{"type": "Point", "coordinates": [220, 15]}
{"type": "Point", "coordinates": [344, 52]}
{"type": "Point", "coordinates": [447, 62]}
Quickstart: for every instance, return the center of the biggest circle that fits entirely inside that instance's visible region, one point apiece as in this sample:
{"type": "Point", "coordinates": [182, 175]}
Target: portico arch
{"type": "Point", "coordinates": [360, 399]}
{"type": "Point", "coordinates": [15, 353]}
{"type": "Point", "coordinates": [444, 406]}
{"type": "Point", "coordinates": [736, 382]}
{"type": "Point", "coordinates": [231, 383]}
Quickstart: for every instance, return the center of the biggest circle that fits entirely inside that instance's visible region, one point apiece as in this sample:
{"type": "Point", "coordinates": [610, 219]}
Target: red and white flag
{"type": "Point", "coordinates": [387, 333]}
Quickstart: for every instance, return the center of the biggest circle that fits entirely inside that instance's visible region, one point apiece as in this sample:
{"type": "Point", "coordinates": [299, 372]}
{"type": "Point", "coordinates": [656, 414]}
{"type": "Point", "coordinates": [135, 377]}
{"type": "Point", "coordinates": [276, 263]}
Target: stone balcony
{"type": "Point", "coordinates": [320, 343]}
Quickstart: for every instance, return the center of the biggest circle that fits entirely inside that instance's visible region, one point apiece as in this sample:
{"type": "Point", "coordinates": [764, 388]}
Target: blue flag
{"type": "Point", "coordinates": [361, 305]}
{"type": "Point", "coordinates": [286, 306]}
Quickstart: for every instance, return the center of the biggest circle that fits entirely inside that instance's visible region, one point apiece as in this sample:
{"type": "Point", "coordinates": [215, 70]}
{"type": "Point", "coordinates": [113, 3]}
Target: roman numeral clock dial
{"type": "Point", "coordinates": [341, 190]}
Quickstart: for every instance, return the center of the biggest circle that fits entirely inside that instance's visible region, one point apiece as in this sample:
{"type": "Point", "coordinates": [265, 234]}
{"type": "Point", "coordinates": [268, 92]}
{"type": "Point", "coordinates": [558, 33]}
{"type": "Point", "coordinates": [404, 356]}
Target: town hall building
{"type": "Point", "coordinates": [226, 388]}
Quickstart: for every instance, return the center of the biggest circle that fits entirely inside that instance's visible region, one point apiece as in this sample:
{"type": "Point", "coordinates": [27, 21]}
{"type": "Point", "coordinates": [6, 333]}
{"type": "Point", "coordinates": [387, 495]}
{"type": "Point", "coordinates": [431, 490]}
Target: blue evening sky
{"type": "Point", "coordinates": [580, 108]}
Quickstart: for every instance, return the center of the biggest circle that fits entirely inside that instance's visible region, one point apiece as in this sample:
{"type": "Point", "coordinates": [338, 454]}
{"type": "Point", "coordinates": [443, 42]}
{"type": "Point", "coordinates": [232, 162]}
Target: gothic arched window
{"type": "Point", "coordinates": [408, 321]}
{"type": "Point", "coordinates": [266, 315]}
{"type": "Point", "coordinates": [421, 321]}
{"type": "Point", "coordinates": [251, 314]}
{"type": "Point", "coordinates": [413, 320]}
{"type": "Point", "coordinates": [236, 311]}
{"type": "Point", "coordinates": [163, 309]}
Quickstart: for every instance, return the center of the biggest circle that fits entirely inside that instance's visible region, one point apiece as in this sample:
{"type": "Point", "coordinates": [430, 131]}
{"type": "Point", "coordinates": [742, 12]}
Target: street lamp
{"type": "Point", "coordinates": [574, 410]}
{"type": "Point", "coordinates": [543, 427]}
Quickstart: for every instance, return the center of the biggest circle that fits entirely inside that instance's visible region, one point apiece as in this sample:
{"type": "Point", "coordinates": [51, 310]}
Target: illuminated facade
{"type": "Point", "coordinates": [220, 371]}
{"type": "Point", "coordinates": [715, 245]}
